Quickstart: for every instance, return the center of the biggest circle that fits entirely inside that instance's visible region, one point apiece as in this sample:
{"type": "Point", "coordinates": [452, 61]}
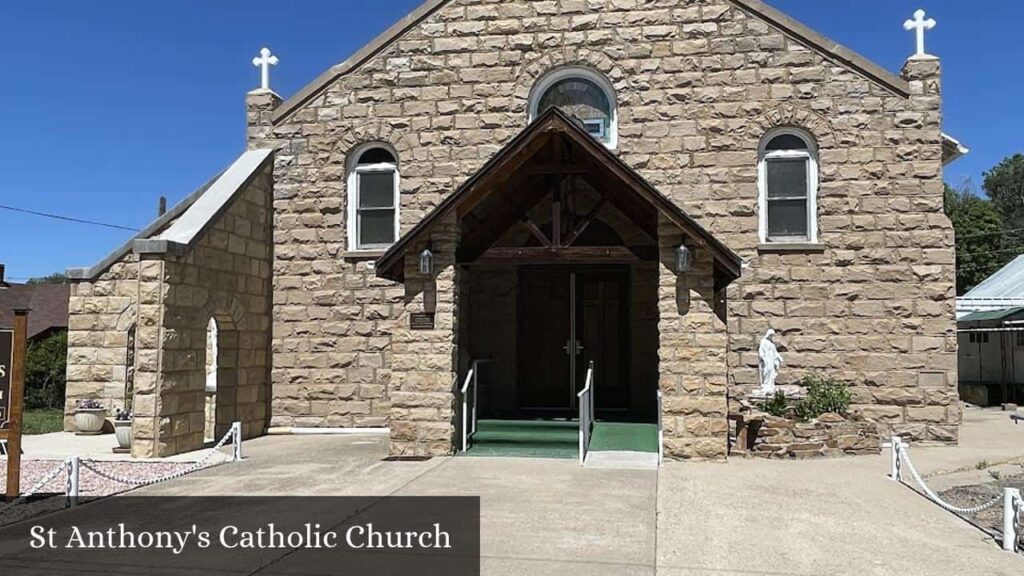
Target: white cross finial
{"type": "Point", "coordinates": [920, 25]}
{"type": "Point", "coordinates": [264, 61]}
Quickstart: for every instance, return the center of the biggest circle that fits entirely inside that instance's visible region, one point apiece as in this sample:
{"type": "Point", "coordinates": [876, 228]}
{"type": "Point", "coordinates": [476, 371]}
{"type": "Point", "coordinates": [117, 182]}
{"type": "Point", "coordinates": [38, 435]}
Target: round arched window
{"type": "Point", "coordinates": [788, 187]}
{"type": "Point", "coordinates": [583, 95]}
{"type": "Point", "coordinates": [373, 199]}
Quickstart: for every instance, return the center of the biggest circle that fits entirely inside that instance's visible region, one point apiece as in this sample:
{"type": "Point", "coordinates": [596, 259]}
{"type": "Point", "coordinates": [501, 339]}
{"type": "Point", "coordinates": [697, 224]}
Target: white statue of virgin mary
{"type": "Point", "coordinates": [770, 361]}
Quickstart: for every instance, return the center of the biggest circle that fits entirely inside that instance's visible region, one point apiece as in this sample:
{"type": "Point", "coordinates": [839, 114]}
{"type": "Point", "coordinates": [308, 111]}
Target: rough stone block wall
{"type": "Point", "coordinates": [100, 314]}
{"type": "Point", "coordinates": [149, 340]}
{"type": "Point", "coordinates": [424, 364]}
{"type": "Point", "coordinates": [827, 435]}
{"type": "Point", "coordinates": [224, 275]}
{"type": "Point", "coordinates": [692, 355]}
{"type": "Point", "coordinates": [697, 84]}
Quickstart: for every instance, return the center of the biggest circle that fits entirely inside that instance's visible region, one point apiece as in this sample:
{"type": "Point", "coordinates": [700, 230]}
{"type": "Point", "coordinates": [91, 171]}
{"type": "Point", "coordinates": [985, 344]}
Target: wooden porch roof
{"type": "Point", "coordinates": [519, 176]}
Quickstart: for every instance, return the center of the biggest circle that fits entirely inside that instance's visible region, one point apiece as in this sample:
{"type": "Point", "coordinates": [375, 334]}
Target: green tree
{"type": "Point", "coordinates": [980, 237]}
{"type": "Point", "coordinates": [1004, 184]}
{"type": "Point", "coordinates": [45, 367]}
{"type": "Point", "coordinates": [55, 278]}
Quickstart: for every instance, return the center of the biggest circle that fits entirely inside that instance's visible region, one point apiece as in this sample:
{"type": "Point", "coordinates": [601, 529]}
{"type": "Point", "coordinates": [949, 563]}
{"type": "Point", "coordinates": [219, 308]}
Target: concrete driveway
{"type": "Point", "coordinates": [540, 517]}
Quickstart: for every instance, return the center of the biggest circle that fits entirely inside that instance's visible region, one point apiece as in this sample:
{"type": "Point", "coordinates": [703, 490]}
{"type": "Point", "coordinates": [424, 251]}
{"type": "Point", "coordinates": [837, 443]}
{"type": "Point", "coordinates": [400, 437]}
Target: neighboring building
{"type": "Point", "coordinates": [1002, 290]}
{"type": "Point", "coordinates": [546, 184]}
{"type": "Point", "coordinates": [48, 303]}
{"type": "Point", "coordinates": [990, 322]}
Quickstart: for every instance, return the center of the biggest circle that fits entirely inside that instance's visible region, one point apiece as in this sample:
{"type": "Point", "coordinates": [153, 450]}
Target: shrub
{"type": "Point", "coordinates": [45, 365]}
{"type": "Point", "coordinates": [823, 395]}
{"type": "Point", "coordinates": [777, 405]}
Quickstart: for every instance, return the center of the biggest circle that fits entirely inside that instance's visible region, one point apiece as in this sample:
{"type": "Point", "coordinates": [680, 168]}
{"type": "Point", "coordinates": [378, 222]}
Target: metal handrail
{"type": "Point", "coordinates": [470, 377]}
{"type": "Point", "coordinates": [469, 414]}
{"type": "Point", "coordinates": [586, 409]}
{"type": "Point", "coordinates": [661, 433]}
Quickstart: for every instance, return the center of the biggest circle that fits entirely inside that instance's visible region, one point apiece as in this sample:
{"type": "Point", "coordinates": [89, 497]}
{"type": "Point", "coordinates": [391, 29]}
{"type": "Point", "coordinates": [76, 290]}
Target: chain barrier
{"type": "Point", "coordinates": [35, 488]}
{"type": "Point", "coordinates": [91, 465]}
{"type": "Point", "coordinates": [935, 497]}
{"type": "Point", "coordinates": [1013, 503]}
{"type": "Point", "coordinates": [73, 464]}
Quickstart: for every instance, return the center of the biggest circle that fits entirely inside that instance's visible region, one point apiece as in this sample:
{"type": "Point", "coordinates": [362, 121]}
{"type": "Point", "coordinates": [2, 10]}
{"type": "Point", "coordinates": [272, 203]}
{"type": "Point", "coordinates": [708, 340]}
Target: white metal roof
{"type": "Point", "coordinates": [1008, 282]}
{"type": "Point", "coordinates": [1003, 289]}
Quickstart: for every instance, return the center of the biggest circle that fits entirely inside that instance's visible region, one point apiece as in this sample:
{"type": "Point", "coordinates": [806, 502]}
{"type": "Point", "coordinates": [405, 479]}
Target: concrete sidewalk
{"type": "Point", "coordinates": [61, 445]}
{"type": "Point", "coordinates": [840, 516]}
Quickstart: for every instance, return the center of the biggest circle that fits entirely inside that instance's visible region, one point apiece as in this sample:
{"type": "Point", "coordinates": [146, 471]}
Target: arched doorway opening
{"type": "Point", "coordinates": [221, 375]}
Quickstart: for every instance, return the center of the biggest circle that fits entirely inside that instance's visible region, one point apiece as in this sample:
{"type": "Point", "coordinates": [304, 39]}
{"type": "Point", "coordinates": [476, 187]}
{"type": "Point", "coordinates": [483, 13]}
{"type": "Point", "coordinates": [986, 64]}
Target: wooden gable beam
{"type": "Point", "coordinates": [536, 231]}
{"type": "Point", "coordinates": [582, 226]}
{"type": "Point", "coordinates": [510, 169]}
{"type": "Point", "coordinates": [500, 255]}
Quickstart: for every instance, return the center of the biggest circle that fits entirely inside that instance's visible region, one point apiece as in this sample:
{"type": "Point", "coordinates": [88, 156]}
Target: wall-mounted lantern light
{"type": "Point", "coordinates": [427, 262]}
{"type": "Point", "coordinates": [684, 259]}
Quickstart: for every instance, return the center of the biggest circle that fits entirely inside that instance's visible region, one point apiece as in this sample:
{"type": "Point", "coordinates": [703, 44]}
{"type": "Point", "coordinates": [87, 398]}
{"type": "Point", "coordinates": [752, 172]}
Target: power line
{"type": "Point", "coordinates": [997, 233]}
{"type": "Point", "coordinates": [1010, 249]}
{"type": "Point", "coordinates": [67, 218]}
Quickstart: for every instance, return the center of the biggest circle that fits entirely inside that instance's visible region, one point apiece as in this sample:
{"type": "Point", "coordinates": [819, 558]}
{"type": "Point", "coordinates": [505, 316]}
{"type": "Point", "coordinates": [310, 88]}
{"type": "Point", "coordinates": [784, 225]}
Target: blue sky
{"type": "Point", "coordinates": [110, 104]}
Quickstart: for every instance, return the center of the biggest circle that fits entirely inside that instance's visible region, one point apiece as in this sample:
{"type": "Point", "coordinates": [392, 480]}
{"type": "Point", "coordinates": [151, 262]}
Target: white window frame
{"type": "Point", "coordinates": [565, 72]}
{"type": "Point", "coordinates": [810, 156]}
{"type": "Point", "coordinates": [354, 172]}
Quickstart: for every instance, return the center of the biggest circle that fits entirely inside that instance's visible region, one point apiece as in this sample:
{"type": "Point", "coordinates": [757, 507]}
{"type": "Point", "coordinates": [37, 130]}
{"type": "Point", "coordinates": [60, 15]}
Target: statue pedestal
{"type": "Point", "coordinates": [792, 392]}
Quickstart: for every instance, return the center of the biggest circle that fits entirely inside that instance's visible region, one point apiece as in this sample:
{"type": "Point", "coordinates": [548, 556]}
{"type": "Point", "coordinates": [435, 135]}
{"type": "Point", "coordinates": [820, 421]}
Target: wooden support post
{"type": "Point", "coordinates": [14, 403]}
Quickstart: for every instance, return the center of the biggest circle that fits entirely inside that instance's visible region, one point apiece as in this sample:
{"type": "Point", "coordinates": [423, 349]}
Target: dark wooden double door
{"type": "Point", "coordinates": [566, 319]}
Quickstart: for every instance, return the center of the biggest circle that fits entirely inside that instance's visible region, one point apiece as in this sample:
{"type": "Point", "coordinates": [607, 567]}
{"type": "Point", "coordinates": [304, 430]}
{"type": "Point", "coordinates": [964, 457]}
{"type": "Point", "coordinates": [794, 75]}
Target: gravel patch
{"type": "Point", "coordinates": [991, 520]}
{"type": "Point", "coordinates": [91, 485]}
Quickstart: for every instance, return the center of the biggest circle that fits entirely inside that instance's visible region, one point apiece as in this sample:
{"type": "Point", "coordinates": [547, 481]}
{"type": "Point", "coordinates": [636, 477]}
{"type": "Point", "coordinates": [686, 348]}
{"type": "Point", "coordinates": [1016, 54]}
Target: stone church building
{"type": "Point", "coordinates": [522, 197]}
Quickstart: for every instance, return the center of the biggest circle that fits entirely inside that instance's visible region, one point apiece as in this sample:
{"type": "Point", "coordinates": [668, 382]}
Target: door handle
{"type": "Point", "coordinates": [578, 347]}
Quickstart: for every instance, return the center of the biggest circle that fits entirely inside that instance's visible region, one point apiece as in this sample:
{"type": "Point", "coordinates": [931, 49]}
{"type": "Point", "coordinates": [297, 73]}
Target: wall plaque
{"type": "Point", "coordinates": [421, 321]}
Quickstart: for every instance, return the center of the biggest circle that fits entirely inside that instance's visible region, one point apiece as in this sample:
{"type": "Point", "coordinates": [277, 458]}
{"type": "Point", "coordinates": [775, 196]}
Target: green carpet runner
{"type": "Point", "coordinates": [557, 439]}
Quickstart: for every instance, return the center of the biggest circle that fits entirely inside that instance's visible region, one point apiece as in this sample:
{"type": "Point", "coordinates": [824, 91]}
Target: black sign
{"type": "Point", "coordinates": [6, 365]}
{"type": "Point", "coordinates": [421, 321]}
{"type": "Point", "coordinates": [286, 536]}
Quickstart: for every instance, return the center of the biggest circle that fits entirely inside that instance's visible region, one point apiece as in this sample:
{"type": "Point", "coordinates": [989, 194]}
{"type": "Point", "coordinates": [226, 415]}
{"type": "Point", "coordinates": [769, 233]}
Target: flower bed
{"type": "Point", "coordinates": [827, 435]}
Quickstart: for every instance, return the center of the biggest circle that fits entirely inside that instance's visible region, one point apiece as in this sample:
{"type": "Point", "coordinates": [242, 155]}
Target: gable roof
{"type": "Point", "coordinates": [952, 149]}
{"type": "Point", "coordinates": [391, 264]}
{"type": "Point", "coordinates": [1007, 282]}
{"type": "Point", "coordinates": [48, 302]}
{"type": "Point", "coordinates": [827, 47]}
{"type": "Point", "coordinates": [185, 219]}
{"type": "Point", "coordinates": [211, 203]}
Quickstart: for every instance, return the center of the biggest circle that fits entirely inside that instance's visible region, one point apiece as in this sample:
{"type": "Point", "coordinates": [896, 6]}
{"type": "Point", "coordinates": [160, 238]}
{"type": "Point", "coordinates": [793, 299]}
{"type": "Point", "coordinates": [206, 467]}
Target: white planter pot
{"type": "Point", "coordinates": [91, 420]}
{"type": "Point", "coordinates": [123, 432]}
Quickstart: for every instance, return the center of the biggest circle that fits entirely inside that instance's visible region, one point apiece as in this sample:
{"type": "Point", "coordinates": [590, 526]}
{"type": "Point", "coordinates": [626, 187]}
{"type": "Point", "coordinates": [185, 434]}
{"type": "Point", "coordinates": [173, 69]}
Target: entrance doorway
{"type": "Point", "coordinates": [569, 317]}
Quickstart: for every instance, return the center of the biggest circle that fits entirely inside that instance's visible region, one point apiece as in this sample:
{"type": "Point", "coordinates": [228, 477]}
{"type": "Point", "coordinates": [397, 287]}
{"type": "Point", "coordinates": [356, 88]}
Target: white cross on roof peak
{"type": "Point", "coordinates": [264, 61]}
{"type": "Point", "coordinates": [919, 24]}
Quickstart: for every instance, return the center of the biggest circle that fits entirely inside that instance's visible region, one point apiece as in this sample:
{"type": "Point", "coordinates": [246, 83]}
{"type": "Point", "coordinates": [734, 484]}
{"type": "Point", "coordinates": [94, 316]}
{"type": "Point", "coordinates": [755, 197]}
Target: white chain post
{"type": "Point", "coordinates": [1011, 497]}
{"type": "Point", "coordinates": [236, 441]}
{"type": "Point", "coordinates": [73, 480]}
{"type": "Point", "coordinates": [895, 444]}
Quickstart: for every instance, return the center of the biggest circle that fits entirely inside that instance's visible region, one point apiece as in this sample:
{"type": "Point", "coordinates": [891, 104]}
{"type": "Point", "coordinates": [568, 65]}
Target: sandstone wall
{"type": "Point", "coordinates": [224, 275]}
{"type": "Point", "coordinates": [828, 435]}
{"type": "Point", "coordinates": [167, 301]}
{"type": "Point", "coordinates": [100, 315]}
{"type": "Point", "coordinates": [698, 84]}
{"type": "Point", "coordinates": [692, 354]}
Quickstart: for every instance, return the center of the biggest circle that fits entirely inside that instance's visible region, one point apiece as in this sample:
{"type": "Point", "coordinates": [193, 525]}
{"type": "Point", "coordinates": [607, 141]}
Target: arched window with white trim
{"type": "Point", "coordinates": [373, 198]}
{"type": "Point", "coordinates": [788, 187]}
{"type": "Point", "coordinates": [583, 94]}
